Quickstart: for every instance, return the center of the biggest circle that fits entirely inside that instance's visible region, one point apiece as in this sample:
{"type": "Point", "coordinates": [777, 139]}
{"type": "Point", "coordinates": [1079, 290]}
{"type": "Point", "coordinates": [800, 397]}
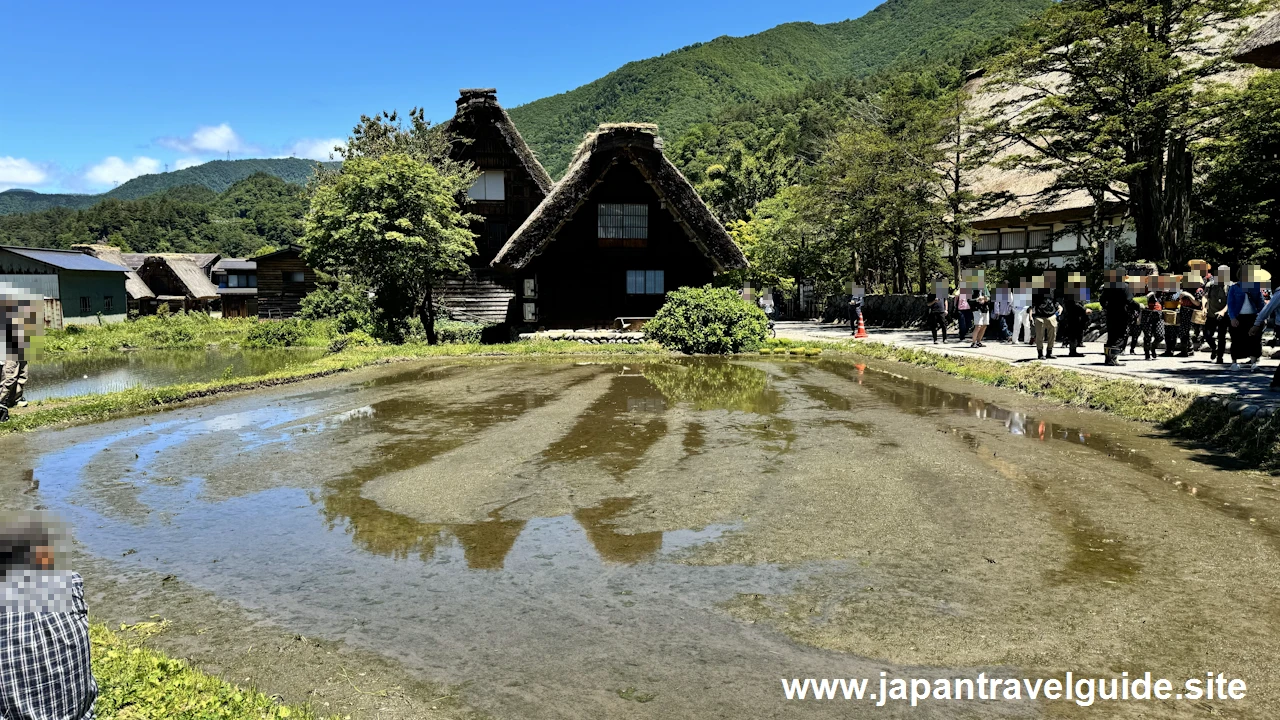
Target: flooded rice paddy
{"type": "Point", "coordinates": [67, 375]}
{"type": "Point", "coordinates": [669, 539]}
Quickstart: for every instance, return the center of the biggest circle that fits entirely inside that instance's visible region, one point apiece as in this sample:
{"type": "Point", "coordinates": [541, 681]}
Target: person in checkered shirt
{"type": "Point", "coordinates": [44, 631]}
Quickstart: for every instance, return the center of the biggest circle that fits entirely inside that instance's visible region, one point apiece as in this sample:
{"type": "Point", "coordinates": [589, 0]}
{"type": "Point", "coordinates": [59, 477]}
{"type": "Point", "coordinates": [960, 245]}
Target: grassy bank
{"type": "Point", "coordinates": [90, 408]}
{"type": "Point", "coordinates": [185, 330]}
{"type": "Point", "coordinates": [138, 683]}
{"type": "Point", "coordinates": [1254, 441]}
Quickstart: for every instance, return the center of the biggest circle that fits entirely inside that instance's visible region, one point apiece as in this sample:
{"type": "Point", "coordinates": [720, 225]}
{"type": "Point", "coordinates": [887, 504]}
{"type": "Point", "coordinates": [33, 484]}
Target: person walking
{"type": "Point", "coordinates": [1244, 302]}
{"type": "Point", "coordinates": [964, 311]}
{"type": "Point", "coordinates": [1152, 320]}
{"type": "Point", "coordinates": [1115, 300]}
{"type": "Point", "coordinates": [1259, 325]}
{"type": "Point", "coordinates": [981, 305]}
{"type": "Point", "coordinates": [937, 317]}
{"type": "Point", "coordinates": [1188, 306]}
{"type": "Point", "coordinates": [20, 320]}
{"type": "Point", "coordinates": [1022, 314]}
{"type": "Point", "coordinates": [1215, 308]}
{"type": "Point", "coordinates": [1003, 311]}
{"type": "Point", "coordinates": [1171, 299]}
{"type": "Point", "coordinates": [1074, 322]}
{"type": "Point", "coordinates": [1044, 315]}
{"type": "Point", "coordinates": [855, 309]}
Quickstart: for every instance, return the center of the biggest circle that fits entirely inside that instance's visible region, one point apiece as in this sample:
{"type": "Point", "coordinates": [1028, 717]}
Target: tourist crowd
{"type": "Point", "coordinates": [1169, 315]}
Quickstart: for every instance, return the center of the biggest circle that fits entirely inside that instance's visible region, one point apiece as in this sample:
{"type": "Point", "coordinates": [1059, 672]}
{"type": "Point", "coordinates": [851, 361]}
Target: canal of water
{"type": "Point", "coordinates": [562, 538]}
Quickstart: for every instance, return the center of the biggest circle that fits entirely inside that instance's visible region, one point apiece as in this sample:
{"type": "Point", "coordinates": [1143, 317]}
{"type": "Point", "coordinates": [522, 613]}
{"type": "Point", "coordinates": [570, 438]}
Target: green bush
{"type": "Point", "coordinates": [348, 304]}
{"type": "Point", "coordinates": [456, 332]}
{"type": "Point", "coordinates": [276, 333]}
{"type": "Point", "coordinates": [355, 338]}
{"type": "Point", "coordinates": [708, 320]}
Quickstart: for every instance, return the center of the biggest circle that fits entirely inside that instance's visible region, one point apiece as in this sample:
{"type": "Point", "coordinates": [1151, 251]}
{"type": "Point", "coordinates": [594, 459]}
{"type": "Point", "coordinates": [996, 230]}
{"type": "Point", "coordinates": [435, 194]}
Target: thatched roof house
{"type": "Point", "coordinates": [177, 280]}
{"type": "Point", "coordinates": [619, 229]}
{"type": "Point", "coordinates": [136, 289]}
{"type": "Point", "coordinates": [1262, 47]}
{"type": "Point", "coordinates": [511, 184]}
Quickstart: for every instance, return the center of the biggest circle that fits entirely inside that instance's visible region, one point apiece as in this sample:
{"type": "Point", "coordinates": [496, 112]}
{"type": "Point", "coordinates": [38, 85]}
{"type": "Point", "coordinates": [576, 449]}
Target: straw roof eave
{"type": "Point", "coordinates": [1262, 47]}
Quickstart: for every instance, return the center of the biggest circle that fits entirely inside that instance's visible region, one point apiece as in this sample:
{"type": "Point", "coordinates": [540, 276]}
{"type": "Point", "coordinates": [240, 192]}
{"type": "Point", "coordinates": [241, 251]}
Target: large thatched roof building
{"type": "Point", "coordinates": [1262, 47]}
{"type": "Point", "coordinates": [511, 184]}
{"type": "Point", "coordinates": [621, 228]}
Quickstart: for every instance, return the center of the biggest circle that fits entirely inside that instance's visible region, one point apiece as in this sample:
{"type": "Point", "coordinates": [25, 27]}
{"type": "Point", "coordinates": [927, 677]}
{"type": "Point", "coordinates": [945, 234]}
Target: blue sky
{"type": "Point", "coordinates": [96, 93]}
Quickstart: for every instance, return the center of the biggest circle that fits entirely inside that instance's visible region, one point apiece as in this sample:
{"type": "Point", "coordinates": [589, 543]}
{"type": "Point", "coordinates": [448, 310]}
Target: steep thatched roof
{"type": "Point", "coordinates": [204, 261]}
{"type": "Point", "coordinates": [639, 145]}
{"type": "Point", "coordinates": [1262, 48]}
{"type": "Point", "coordinates": [133, 284]}
{"type": "Point", "coordinates": [480, 106]}
{"type": "Point", "coordinates": [194, 281]}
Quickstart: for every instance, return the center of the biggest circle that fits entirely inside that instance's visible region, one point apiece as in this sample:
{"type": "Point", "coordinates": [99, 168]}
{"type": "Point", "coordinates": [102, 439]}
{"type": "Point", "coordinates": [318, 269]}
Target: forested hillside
{"type": "Point", "coordinates": [256, 212]}
{"type": "Point", "coordinates": [693, 84]}
{"type": "Point", "coordinates": [217, 176]}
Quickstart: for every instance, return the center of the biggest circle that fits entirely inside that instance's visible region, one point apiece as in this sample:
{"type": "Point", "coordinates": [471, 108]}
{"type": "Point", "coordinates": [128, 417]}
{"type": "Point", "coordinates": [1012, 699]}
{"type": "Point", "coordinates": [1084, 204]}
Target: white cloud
{"type": "Point", "coordinates": [114, 170]}
{"type": "Point", "coordinates": [20, 172]}
{"type": "Point", "coordinates": [186, 162]}
{"type": "Point", "coordinates": [316, 149]}
{"type": "Point", "coordinates": [209, 138]}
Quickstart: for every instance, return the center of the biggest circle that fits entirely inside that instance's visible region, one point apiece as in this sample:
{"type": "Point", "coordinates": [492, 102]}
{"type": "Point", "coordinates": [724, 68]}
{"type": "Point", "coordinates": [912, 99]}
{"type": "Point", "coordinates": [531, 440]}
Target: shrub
{"type": "Point", "coordinates": [456, 332]}
{"type": "Point", "coordinates": [708, 320]}
{"type": "Point", "coordinates": [348, 304]}
{"type": "Point", "coordinates": [355, 338]}
{"type": "Point", "coordinates": [275, 333]}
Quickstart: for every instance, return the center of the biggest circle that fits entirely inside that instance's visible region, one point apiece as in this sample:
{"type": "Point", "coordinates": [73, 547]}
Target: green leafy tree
{"type": "Point", "coordinates": [392, 223]}
{"type": "Point", "coordinates": [1238, 192]}
{"type": "Point", "coordinates": [1109, 96]}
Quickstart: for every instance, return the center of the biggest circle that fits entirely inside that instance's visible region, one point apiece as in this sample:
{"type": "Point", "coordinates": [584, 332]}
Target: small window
{"type": "Point", "coordinates": [646, 282]}
{"type": "Point", "coordinates": [627, 223]}
{"type": "Point", "coordinates": [491, 185]}
{"type": "Point", "coordinates": [233, 281]}
{"type": "Point", "coordinates": [253, 280]}
{"type": "Point", "coordinates": [1037, 239]}
{"type": "Point", "coordinates": [987, 242]}
{"type": "Point", "coordinates": [293, 276]}
{"type": "Point", "coordinates": [108, 303]}
{"type": "Point", "coordinates": [84, 305]}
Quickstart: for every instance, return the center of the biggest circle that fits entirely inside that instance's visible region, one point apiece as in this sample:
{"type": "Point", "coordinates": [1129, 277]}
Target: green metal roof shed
{"type": "Point", "coordinates": [76, 287]}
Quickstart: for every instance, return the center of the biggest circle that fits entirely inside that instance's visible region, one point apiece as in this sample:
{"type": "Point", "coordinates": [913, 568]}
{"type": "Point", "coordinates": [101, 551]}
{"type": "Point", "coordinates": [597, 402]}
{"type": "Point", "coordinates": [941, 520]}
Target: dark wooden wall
{"type": "Point", "coordinates": [277, 298]}
{"type": "Point", "coordinates": [489, 151]}
{"type": "Point", "coordinates": [584, 285]}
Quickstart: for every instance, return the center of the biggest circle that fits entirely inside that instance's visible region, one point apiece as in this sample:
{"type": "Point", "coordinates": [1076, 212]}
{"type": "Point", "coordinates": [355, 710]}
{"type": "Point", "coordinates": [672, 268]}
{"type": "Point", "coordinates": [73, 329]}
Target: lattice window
{"type": "Point", "coordinates": [1038, 239]}
{"type": "Point", "coordinates": [1013, 239]}
{"type": "Point", "coordinates": [618, 221]}
{"type": "Point", "coordinates": [987, 242]}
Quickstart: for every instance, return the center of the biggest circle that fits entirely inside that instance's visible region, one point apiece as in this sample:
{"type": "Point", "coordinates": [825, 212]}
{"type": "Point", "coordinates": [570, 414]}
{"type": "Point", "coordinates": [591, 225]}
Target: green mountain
{"type": "Point", "coordinates": [693, 84]}
{"type": "Point", "coordinates": [217, 175]}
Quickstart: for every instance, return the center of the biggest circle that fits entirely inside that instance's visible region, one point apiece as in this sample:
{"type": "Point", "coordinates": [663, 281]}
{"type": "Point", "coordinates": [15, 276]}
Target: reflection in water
{"type": "Point", "coordinates": [923, 399]}
{"type": "Point", "coordinates": [68, 375]}
{"type": "Point", "coordinates": [611, 544]}
{"type": "Point", "coordinates": [710, 384]}
{"type": "Point", "coordinates": [616, 430]}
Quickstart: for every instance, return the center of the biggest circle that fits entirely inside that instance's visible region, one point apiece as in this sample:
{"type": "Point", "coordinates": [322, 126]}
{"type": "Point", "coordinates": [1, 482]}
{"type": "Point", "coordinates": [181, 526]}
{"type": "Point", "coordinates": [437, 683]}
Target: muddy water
{"type": "Point", "coordinates": [65, 375]}
{"type": "Point", "coordinates": [668, 539]}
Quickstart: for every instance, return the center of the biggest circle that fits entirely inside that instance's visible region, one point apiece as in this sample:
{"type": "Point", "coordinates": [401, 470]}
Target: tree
{"type": "Point", "coordinates": [1237, 198]}
{"type": "Point", "coordinates": [1109, 96]}
{"type": "Point", "coordinates": [393, 223]}
{"type": "Point", "coordinates": [389, 218]}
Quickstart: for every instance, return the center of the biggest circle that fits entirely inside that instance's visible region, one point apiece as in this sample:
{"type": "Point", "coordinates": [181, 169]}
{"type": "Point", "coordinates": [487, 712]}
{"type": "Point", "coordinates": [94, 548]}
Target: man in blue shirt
{"type": "Point", "coordinates": [1244, 303]}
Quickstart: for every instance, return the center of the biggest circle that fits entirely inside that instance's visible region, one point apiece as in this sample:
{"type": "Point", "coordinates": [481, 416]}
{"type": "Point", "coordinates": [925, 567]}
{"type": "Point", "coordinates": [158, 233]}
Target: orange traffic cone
{"type": "Point", "coordinates": [862, 328]}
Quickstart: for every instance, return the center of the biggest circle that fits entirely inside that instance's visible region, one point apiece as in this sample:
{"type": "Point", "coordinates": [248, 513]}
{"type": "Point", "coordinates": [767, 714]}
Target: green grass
{"type": "Point", "coordinates": [179, 330]}
{"type": "Point", "coordinates": [1255, 442]}
{"type": "Point", "coordinates": [91, 408]}
{"type": "Point", "coordinates": [137, 683]}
